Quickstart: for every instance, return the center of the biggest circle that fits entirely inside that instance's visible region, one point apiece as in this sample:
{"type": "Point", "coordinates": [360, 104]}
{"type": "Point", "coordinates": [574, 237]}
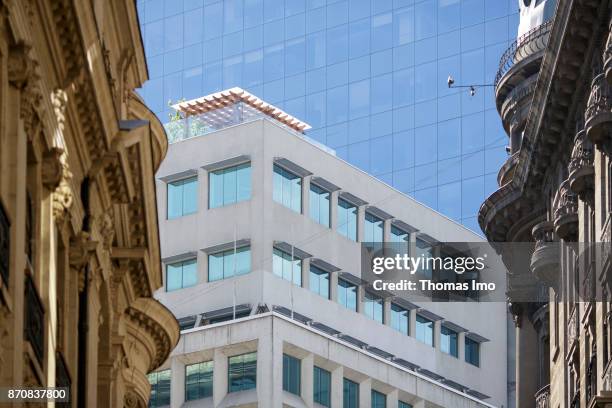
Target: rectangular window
{"type": "Point", "coordinates": [448, 341]}
{"type": "Point", "coordinates": [402, 404]}
{"type": "Point", "coordinates": [198, 380]}
{"type": "Point", "coordinates": [291, 374]}
{"type": "Point", "coordinates": [425, 250]}
{"type": "Point", "coordinates": [424, 330]}
{"type": "Point", "coordinates": [229, 185]}
{"type": "Point", "coordinates": [286, 268]}
{"type": "Point", "coordinates": [226, 264]}
{"type": "Point", "coordinates": [319, 205]}
{"type": "Point", "coordinates": [373, 229]}
{"type": "Point", "coordinates": [472, 352]}
{"type": "Point", "coordinates": [287, 189]}
{"type": "Point", "coordinates": [182, 197]}
{"type": "Point", "coordinates": [181, 275]}
{"type": "Point", "coordinates": [319, 281]}
{"type": "Point", "coordinates": [347, 294]}
{"type": "Point", "coordinates": [160, 388]}
{"type": "Point", "coordinates": [322, 387]}
{"type": "Point", "coordinates": [242, 372]}
{"type": "Point", "coordinates": [379, 400]}
{"type": "Point", "coordinates": [400, 318]}
{"type": "Point", "coordinates": [373, 307]}
{"type": "Point", "coordinates": [351, 394]}
{"type": "Point", "coordinates": [399, 236]}
{"type": "Point", "coordinates": [347, 219]}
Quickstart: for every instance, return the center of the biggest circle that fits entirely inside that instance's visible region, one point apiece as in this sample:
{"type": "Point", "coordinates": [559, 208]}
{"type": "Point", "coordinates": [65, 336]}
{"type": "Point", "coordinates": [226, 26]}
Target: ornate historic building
{"type": "Point", "coordinates": [79, 246]}
{"type": "Point", "coordinates": [554, 94]}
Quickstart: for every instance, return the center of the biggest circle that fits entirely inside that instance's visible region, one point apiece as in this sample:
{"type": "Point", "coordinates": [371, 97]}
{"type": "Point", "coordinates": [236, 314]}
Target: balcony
{"type": "Point", "coordinates": [581, 171]}
{"type": "Point", "coordinates": [598, 114]}
{"type": "Point", "coordinates": [545, 257]}
{"type": "Point", "coordinates": [607, 59]}
{"type": "Point", "coordinates": [542, 397]}
{"type": "Point", "coordinates": [521, 60]}
{"type": "Point", "coordinates": [565, 211]}
{"type": "Point", "coordinates": [506, 172]}
{"type": "Point", "coordinates": [34, 331]}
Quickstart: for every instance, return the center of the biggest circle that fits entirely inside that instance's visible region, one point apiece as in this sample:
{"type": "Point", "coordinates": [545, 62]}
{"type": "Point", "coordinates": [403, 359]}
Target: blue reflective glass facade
{"type": "Point", "coordinates": [368, 75]}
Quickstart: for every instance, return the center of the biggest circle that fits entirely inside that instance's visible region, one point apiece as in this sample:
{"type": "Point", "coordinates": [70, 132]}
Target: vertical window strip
{"type": "Point", "coordinates": [198, 380]}
{"type": "Point", "coordinates": [242, 372]}
{"type": "Point", "coordinates": [319, 205]}
{"type": "Point", "coordinates": [347, 219]}
{"type": "Point", "coordinates": [230, 185]}
{"type": "Point", "coordinates": [287, 189]}
{"type": "Point", "coordinates": [181, 274]}
{"type": "Point", "coordinates": [182, 197]}
{"type": "Point", "coordinates": [287, 268]}
{"type": "Point", "coordinates": [230, 263]}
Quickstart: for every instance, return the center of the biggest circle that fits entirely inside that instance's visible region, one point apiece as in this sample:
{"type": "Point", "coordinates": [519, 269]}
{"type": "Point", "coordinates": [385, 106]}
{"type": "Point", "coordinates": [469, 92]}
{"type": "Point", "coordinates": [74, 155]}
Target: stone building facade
{"type": "Point", "coordinates": [554, 94]}
{"type": "Point", "coordinates": [79, 244]}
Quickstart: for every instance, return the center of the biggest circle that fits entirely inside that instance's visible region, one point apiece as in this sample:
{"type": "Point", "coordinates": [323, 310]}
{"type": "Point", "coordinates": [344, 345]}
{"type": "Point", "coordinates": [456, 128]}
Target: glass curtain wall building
{"type": "Point", "coordinates": [368, 75]}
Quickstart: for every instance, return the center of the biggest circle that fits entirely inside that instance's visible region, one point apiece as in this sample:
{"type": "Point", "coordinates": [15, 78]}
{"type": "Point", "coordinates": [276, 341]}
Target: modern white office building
{"type": "Point", "coordinates": [261, 233]}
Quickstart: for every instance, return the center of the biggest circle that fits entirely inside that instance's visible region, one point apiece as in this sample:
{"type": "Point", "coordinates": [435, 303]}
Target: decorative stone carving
{"type": "Point", "coordinates": [580, 167]}
{"type": "Point", "coordinates": [59, 100]}
{"type": "Point", "coordinates": [565, 211]}
{"type": "Point", "coordinates": [607, 56]}
{"type": "Point", "coordinates": [62, 196]}
{"type": "Point", "coordinates": [598, 115]}
{"type": "Point", "coordinates": [51, 168]}
{"type": "Point", "coordinates": [20, 67]}
{"type": "Point", "coordinates": [81, 248]}
{"type": "Point", "coordinates": [545, 258]}
{"type": "Point", "coordinates": [106, 227]}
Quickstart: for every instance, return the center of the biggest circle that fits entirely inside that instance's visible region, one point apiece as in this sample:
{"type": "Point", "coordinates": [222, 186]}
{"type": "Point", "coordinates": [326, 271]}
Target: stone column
{"type": "Point", "coordinates": [270, 371]}
{"type": "Point", "coordinates": [337, 387]}
{"type": "Point", "coordinates": [333, 213]}
{"type": "Point", "coordinates": [333, 286]}
{"type": "Point", "coordinates": [461, 346]}
{"type": "Point", "coordinates": [387, 230]}
{"type": "Point", "coordinates": [436, 333]}
{"type": "Point", "coordinates": [360, 223]}
{"type": "Point", "coordinates": [220, 370]}
{"type": "Point", "coordinates": [392, 399]}
{"type": "Point", "coordinates": [306, 195]}
{"type": "Point", "coordinates": [306, 273]}
{"type": "Point", "coordinates": [526, 363]}
{"type": "Point", "coordinates": [177, 384]}
{"type": "Point", "coordinates": [387, 312]}
{"type": "Point", "coordinates": [365, 393]}
{"type": "Point", "coordinates": [307, 374]}
{"type": "Point", "coordinates": [412, 323]}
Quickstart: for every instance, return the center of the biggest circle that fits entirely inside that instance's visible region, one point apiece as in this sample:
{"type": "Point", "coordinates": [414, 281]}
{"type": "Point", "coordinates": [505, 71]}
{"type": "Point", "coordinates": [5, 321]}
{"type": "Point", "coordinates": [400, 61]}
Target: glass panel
{"type": "Point", "coordinates": [373, 231]}
{"type": "Point", "coordinates": [215, 267]}
{"type": "Point", "coordinates": [175, 200]}
{"type": "Point", "coordinates": [243, 260]}
{"type": "Point", "coordinates": [347, 219]}
{"type": "Point", "coordinates": [229, 185]}
{"type": "Point", "coordinates": [242, 372]}
{"type": "Point", "coordinates": [227, 264]}
{"type": "Point", "coordinates": [215, 188]}
{"type": "Point", "coordinates": [319, 281]}
{"type": "Point", "coordinates": [244, 182]}
{"type": "Point", "coordinates": [173, 276]}
{"type": "Point", "coordinates": [347, 294]}
{"type": "Point", "coordinates": [190, 273]}
{"type": "Point", "coordinates": [472, 352]}
{"type": "Point", "coordinates": [291, 374]}
{"type": "Point", "coordinates": [287, 189]}
{"type": "Point", "coordinates": [400, 318]}
{"type": "Point", "coordinates": [424, 330]}
{"type": "Point", "coordinates": [373, 307]}
{"type": "Point", "coordinates": [319, 205]}
{"type": "Point", "coordinates": [351, 394]}
{"type": "Point", "coordinates": [283, 267]}
{"type": "Point", "coordinates": [198, 380]}
{"type": "Point", "coordinates": [448, 341]}
{"type": "Point", "coordinates": [322, 387]}
{"type": "Point", "coordinates": [401, 404]}
{"type": "Point", "coordinates": [379, 400]}
{"type": "Point", "coordinates": [190, 196]}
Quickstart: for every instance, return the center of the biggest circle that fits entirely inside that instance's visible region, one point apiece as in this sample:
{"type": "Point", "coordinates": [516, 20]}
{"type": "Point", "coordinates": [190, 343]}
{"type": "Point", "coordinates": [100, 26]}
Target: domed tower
{"type": "Point", "coordinates": [518, 72]}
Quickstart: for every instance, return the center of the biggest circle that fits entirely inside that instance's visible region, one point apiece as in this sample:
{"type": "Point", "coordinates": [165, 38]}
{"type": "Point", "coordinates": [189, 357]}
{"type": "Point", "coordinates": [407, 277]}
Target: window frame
{"type": "Point", "coordinates": [417, 331]}
{"type": "Point", "coordinates": [297, 363]}
{"type": "Point", "coordinates": [346, 402]}
{"type": "Point", "coordinates": [182, 182]}
{"type": "Point", "coordinates": [370, 223]}
{"type": "Point", "coordinates": [199, 382]}
{"type": "Point", "coordinates": [348, 284]}
{"type": "Point", "coordinates": [319, 375]}
{"type": "Point", "coordinates": [395, 313]}
{"type": "Point", "coordinates": [343, 229]}
{"type": "Point", "coordinates": [450, 334]}
{"type": "Point", "coordinates": [224, 253]}
{"type": "Point", "coordinates": [374, 399]}
{"type": "Point", "coordinates": [319, 199]}
{"type": "Point", "coordinates": [319, 272]}
{"type": "Point", "coordinates": [467, 354]}
{"type": "Point", "coordinates": [182, 263]}
{"type": "Point", "coordinates": [372, 299]}
{"type": "Point", "coordinates": [235, 168]}
{"type": "Point", "coordinates": [286, 257]}
{"type": "Point", "coordinates": [280, 171]}
{"type": "Point", "coordinates": [243, 370]}
{"type": "Point", "coordinates": [154, 395]}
